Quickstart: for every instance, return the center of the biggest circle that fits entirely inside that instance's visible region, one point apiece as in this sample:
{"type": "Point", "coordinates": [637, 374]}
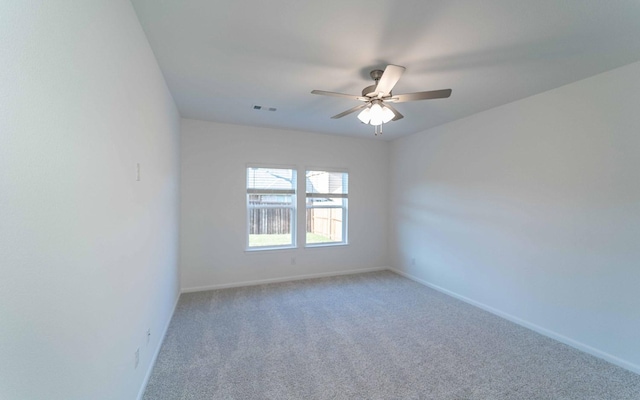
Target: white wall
{"type": "Point", "coordinates": [88, 255]}
{"type": "Point", "coordinates": [533, 209]}
{"type": "Point", "coordinates": [214, 158]}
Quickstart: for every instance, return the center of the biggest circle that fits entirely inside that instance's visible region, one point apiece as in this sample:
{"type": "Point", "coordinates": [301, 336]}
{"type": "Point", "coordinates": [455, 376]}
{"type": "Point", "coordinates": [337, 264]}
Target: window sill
{"type": "Point", "coordinates": [322, 245]}
{"type": "Point", "coordinates": [268, 248]}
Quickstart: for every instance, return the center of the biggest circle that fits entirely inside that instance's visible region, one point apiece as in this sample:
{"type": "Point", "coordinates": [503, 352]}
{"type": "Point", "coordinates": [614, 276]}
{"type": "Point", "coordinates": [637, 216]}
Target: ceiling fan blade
{"type": "Point", "coordinates": [396, 112]}
{"type": "Point", "coordinates": [349, 111]}
{"type": "Point", "coordinates": [433, 94]}
{"type": "Point", "coordinates": [389, 78]}
{"type": "Point", "coordinates": [334, 94]}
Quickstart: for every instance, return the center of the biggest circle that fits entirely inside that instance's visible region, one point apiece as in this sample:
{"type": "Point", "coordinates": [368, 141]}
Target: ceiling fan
{"type": "Point", "coordinates": [376, 109]}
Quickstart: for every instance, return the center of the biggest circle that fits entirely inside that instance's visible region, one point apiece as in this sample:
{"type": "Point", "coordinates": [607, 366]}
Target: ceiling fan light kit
{"type": "Point", "coordinates": [376, 114]}
{"type": "Point", "coordinates": [376, 111]}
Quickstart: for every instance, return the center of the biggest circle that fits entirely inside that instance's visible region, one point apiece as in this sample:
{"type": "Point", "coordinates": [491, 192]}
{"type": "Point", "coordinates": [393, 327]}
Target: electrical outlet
{"type": "Point", "coordinates": [137, 358]}
{"type": "Point", "coordinates": [148, 335]}
{"type": "Point", "coordinates": [138, 172]}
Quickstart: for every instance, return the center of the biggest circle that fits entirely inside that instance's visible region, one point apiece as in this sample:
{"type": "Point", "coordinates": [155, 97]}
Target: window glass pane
{"type": "Point", "coordinates": [270, 227]}
{"type": "Point", "coordinates": [327, 182]}
{"type": "Point", "coordinates": [326, 202]}
{"type": "Point", "coordinates": [324, 225]}
{"type": "Point", "coordinates": [257, 200]}
{"type": "Point", "coordinates": [270, 178]}
{"type": "Point", "coordinates": [271, 207]}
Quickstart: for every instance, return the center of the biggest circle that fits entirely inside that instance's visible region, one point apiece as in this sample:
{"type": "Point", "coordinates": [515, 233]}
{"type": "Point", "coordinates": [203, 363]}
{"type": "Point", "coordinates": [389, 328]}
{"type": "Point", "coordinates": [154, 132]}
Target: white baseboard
{"type": "Point", "coordinates": [281, 279]}
{"type": "Point", "coordinates": [543, 331]}
{"type": "Point", "coordinates": [157, 351]}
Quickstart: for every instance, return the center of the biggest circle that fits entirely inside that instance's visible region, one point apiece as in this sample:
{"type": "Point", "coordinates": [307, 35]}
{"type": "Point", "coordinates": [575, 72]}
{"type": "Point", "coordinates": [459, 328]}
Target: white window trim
{"type": "Point", "coordinates": [293, 208]}
{"type": "Point", "coordinates": [345, 209]}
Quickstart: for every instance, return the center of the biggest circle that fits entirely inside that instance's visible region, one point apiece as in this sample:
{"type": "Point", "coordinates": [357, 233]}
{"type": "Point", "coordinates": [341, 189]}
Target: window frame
{"type": "Point", "coordinates": [293, 207]}
{"type": "Point", "coordinates": [344, 207]}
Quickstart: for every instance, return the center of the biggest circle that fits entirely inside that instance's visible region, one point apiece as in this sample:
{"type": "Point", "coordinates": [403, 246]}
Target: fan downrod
{"type": "Point", "coordinates": [376, 74]}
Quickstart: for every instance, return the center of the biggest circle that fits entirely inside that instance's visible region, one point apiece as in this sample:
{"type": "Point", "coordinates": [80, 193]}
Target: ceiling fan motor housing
{"type": "Point", "coordinates": [369, 91]}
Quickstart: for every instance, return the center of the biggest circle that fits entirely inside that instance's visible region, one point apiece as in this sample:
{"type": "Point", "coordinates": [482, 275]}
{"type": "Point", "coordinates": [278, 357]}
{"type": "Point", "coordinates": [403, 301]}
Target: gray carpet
{"type": "Point", "coordinates": [367, 336]}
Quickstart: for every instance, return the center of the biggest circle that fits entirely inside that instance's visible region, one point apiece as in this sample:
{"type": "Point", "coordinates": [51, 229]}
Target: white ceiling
{"type": "Point", "coordinates": [222, 57]}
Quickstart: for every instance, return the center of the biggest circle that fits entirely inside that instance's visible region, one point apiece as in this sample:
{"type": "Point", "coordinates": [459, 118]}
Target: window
{"type": "Point", "coordinates": [327, 194]}
{"type": "Point", "coordinates": [271, 208]}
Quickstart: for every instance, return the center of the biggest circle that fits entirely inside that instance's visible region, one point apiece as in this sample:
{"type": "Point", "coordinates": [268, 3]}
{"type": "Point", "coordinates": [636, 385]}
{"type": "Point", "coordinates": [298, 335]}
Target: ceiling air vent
{"type": "Point", "coordinates": [263, 108]}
